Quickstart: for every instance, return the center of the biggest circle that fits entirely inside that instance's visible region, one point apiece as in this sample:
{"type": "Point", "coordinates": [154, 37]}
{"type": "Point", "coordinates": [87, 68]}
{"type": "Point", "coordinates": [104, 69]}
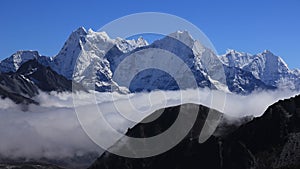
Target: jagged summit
{"type": "Point", "coordinates": [266, 66]}
{"type": "Point", "coordinates": [80, 31]}
{"type": "Point", "coordinates": [182, 33]}
{"type": "Point", "coordinates": [233, 51]}
{"type": "Point", "coordinates": [184, 37]}
{"type": "Point", "coordinates": [12, 63]}
{"type": "Point", "coordinates": [102, 34]}
{"type": "Point", "coordinates": [141, 41]}
{"type": "Point", "coordinates": [266, 51]}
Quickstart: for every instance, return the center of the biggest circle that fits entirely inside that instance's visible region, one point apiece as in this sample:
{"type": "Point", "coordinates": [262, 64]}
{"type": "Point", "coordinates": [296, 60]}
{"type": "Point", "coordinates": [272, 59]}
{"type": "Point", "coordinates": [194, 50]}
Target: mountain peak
{"type": "Point", "coordinates": [13, 63]}
{"type": "Point", "coordinates": [181, 35]}
{"type": "Point", "coordinates": [234, 52]}
{"type": "Point", "coordinates": [141, 42]}
{"type": "Point", "coordinates": [271, 56]}
{"type": "Point", "coordinates": [102, 34]}
{"type": "Point", "coordinates": [266, 51]}
{"type": "Point", "coordinates": [184, 32]}
{"type": "Point", "coordinates": [234, 58]}
{"type": "Point", "coordinates": [230, 51]}
{"type": "Point", "coordinates": [80, 31]}
{"type": "Point", "coordinates": [25, 53]}
{"type": "Point", "coordinates": [184, 37]}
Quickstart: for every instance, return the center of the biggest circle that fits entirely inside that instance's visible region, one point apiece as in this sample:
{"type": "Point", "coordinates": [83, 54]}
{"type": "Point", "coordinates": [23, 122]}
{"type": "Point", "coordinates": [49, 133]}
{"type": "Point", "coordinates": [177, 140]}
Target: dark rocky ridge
{"type": "Point", "coordinates": [267, 142]}
{"type": "Point", "coordinates": [25, 83]}
{"type": "Point", "coordinates": [45, 78]}
{"type": "Point", "coordinates": [17, 88]}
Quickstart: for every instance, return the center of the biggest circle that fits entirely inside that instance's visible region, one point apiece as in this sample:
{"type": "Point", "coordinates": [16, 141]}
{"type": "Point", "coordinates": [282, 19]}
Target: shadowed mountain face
{"type": "Point", "coordinates": [270, 141]}
{"type": "Point", "coordinates": [21, 86]}
{"type": "Point", "coordinates": [17, 88]}
{"type": "Point", "coordinates": [243, 82]}
{"type": "Point", "coordinates": [45, 78]}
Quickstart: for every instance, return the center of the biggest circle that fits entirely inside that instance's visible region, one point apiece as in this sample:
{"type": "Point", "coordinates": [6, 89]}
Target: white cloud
{"type": "Point", "coordinates": [52, 130]}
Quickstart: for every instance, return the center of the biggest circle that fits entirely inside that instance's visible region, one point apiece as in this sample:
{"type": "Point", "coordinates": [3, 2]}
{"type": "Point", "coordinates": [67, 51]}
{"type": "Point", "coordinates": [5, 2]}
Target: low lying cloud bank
{"type": "Point", "coordinates": [52, 130]}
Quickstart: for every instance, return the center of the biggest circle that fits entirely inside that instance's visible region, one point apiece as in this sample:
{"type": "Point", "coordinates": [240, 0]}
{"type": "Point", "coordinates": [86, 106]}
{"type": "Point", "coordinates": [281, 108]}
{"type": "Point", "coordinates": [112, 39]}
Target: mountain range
{"type": "Point", "coordinates": [90, 60]}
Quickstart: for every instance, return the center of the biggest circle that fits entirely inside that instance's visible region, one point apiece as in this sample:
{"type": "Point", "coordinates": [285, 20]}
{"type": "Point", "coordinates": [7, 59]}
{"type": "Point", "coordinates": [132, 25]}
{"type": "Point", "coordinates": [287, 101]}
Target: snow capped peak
{"type": "Point", "coordinates": [65, 60]}
{"type": "Point", "coordinates": [266, 66]}
{"type": "Point", "coordinates": [80, 31]}
{"type": "Point", "coordinates": [13, 63]}
{"type": "Point", "coordinates": [86, 47]}
{"type": "Point", "coordinates": [266, 51]}
{"type": "Point", "coordinates": [236, 53]}
{"type": "Point", "coordinates": [184, 37]}
{"type": "Point", "coordinates": [233, 58]}
{"type": "Point", "coordinates": [90, 31]}
{"type": "Point", "coordinates": [103, 35]}
{"type": "Point", "coordinates": [26, 53]}
{"type": "Point", "coordinates": [230, 51]}
{"type": "Point", "coordinates": [272, 58]}
{"type": "Point", "coordinates": [141, 41]}
{"type": "Point", "coordinates": [183, 33]}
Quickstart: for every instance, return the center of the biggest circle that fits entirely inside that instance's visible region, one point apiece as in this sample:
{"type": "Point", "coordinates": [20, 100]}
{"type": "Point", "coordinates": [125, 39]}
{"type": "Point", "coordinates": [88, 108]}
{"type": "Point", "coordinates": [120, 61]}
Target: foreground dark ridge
{"type": "Point", "coordinates": [267, 142]}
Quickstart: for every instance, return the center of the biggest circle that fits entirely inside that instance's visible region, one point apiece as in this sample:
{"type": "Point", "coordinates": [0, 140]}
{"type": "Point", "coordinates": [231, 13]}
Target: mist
{"type": "Point", "coordinates": [51, 130]}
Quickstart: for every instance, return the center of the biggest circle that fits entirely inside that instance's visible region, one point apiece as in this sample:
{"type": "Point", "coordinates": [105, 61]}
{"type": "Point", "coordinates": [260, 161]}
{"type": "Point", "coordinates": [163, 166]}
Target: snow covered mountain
{"type": "Point", "coordinates": [265, 66]}
{"type": "Point", "coordinates": [88, 49]}
{"type": "Point", "coordinates": [82, 42]}
{"type": "Point", "coordinates": [158, 74]}
{"type": "Point", "coordinates": [13, 63]}
{"type": "Point", "coordinates": [91, 58]}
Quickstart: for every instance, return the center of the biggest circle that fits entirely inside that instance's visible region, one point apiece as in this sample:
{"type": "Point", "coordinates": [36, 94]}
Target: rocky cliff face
{"type": "Point", "coordinates": [267, 142]}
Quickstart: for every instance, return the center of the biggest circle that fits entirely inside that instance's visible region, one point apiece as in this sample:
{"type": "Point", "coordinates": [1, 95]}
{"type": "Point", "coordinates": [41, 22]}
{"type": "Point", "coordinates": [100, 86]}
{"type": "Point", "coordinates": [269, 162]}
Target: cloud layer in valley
{"type": "Point", "coordinates": [52, 130]}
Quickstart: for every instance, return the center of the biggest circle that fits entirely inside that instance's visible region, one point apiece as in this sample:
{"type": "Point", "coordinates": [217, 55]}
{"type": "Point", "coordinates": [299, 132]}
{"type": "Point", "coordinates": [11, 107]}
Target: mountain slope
{"type": "Point", "coordinates": [243, 82]}
{"type": "Point", "coordinates": [157, 76]}
{"type": "Point", "coordinates": [45, 78]}
{"type": "Point", "coordinates": [267, 142]}
{"type": "Point", "coordinates": [21, 86]}
{"type": "Point", "coordinates": [17, 88]}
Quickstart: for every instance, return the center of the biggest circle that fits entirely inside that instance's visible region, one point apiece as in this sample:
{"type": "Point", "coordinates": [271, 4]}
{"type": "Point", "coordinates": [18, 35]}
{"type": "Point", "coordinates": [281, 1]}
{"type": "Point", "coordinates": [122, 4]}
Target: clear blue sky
{"type": "Point", "coordinates": [249, 26]}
